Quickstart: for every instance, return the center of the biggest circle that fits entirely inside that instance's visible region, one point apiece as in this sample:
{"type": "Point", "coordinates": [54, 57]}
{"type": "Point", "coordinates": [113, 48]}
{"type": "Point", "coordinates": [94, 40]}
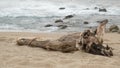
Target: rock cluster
{"type": "Point", "coordinates": [114, 28]}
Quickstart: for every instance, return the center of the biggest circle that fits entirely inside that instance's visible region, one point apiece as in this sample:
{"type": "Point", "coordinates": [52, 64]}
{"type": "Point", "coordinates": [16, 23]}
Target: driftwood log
{"type": "Point", "coordinates": [87, 41]}
{"type": "Point", "coordinates": [63, 44]}
{"type": "Point", "coordinates": [68, 43]}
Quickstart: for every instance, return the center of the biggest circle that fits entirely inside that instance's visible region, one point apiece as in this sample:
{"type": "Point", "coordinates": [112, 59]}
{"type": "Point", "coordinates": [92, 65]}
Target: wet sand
{"type": "Point", "coordinates": [13, 56]}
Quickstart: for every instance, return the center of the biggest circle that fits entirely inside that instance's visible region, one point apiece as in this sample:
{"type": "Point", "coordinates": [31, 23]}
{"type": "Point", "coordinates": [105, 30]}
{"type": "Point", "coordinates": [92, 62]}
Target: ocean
{"type": "Point", "coordinates": [34, 15]}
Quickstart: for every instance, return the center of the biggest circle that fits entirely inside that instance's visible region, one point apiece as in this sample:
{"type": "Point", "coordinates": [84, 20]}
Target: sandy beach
{"type": "Point", "coordinates": [29, 18]}
{"type": "Point", "coordinates": [13, 56]}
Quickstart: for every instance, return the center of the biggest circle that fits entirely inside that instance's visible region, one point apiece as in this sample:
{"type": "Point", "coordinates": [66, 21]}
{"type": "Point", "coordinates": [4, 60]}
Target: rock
{"type": "Point", "coordinates": [102, 10]}
{"type": "Point", "coordinates": [105, 20]}
{"type": "Point", "coordinates": [86, 9]}
{"type": "Point", "coordinates": [86, 22]}
{"type": "Point", "coordinates": [113, 28]}
{"type": "Point", "coordinates": [98, 21]}
{"type": "Point", "coordinates": [119, 31]}
{"type": "Point", "coordinates": [62, 26]}
{"type": "Point", "coordinates": [62, 8]}
{"type": "Point", "coordinates": [68, 16]}
{"type": "Point", "coordinates": [58, 21]}
{"type": "Point", "coordinates": [95, 7]}
{"type": "Point", "coordinates": [48, 25]}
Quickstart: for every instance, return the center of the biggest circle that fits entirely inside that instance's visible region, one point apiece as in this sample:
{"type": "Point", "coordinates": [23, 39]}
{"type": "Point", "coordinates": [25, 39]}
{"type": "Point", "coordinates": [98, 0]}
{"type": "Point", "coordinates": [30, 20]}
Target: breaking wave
{"type": "Point", "coordinates": [34, 14]}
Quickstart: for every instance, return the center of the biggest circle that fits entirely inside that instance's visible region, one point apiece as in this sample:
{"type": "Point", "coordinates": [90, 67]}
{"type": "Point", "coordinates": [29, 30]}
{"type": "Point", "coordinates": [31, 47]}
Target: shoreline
{"type": "Point", "coordinates": [37, 19]}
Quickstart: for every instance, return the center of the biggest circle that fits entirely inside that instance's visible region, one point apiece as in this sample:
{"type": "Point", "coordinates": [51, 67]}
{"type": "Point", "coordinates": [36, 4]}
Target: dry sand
{"type": "Point", "coordinates": [13, 56]}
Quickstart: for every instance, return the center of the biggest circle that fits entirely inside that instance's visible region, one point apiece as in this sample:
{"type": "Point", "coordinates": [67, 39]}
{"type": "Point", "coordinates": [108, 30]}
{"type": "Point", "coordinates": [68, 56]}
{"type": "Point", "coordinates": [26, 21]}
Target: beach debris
{"type": "Point", "coordinates": [85, 22]}
{"type": "Point", "coordinates": [62, 26]}
{"type": "Point", "coordinates": [92, 44]}
{"type": "Point", "coordinates": [87, 41]}
{"type": "Point", "coordinates": [102, 10]}
{"type": "Point", "coordinates": [48, 25]}
{"type": "Point", "coordinates": [62, 8]}
{"type": "Point", "coordinates": [59, 20]}
{"type": "Point", "coordinates": [100, 31]}
{"type": "Point", "coordinates": [68, 16]}
{"type": "Point", "coordinates": [113, 28]}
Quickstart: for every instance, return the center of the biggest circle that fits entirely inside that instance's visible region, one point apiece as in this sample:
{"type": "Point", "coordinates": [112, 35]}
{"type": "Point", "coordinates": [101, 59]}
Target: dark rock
{"type": "Point", "coordinates": [119, 31]}
{"type": "Point", "coordinates": [105, 20]}
{"type": "Point", "coordinates": [113, 28]}
{"type": "Point", "coordinates": [86, 22]}
{"type": "Point", "coordinates": [58, 21]}
{"type": "Point", "coordinates": [102, 10]}
{"type": "Point", "coordinates": [86, 9]}
{"type": "Point", "coordinates": [95, 7]}
{"type": "Point", "coordinates": [98, 21]}
{"type": "Point", "coordinates": [68, 16]}
{"type": "Point", "coordinates": [62, 8]}
{"type": "Point", "coordinates": [62, 26]}
{"type": "Point", "coordinates": [48, 25]}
